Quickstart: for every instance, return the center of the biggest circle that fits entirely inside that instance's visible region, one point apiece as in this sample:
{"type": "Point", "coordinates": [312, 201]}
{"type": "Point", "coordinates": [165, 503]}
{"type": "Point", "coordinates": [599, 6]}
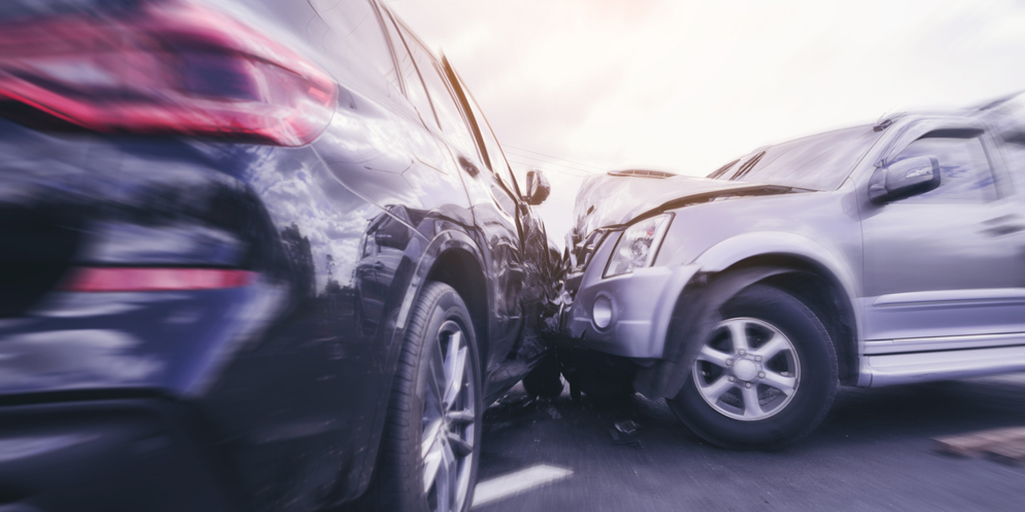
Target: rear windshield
{"type": "Point", "coordinates": [818, 162]}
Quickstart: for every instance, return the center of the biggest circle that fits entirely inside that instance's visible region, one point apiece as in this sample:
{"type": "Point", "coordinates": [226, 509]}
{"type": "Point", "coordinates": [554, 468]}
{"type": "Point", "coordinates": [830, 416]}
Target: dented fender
{"type": "Point", "coordinates": [695, 315]}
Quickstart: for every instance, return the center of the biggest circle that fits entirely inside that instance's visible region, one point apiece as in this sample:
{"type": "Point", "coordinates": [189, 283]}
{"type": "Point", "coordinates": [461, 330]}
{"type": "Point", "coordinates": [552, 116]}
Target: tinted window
{"type": "Point", "coordinates": [356, 34]}
{"type": "Point", "coordinates": [450, 117]}
{"type": "Point", "coordinates": [965, 174]}
{"type": "Point", "coordinates": [1014, 150]}
{"type": "Point", "coordinates": [410, 76]}
{"type": "Point", "coordinates": [819, 162]}
{"type": "Point", "coordinates": [495, 155]}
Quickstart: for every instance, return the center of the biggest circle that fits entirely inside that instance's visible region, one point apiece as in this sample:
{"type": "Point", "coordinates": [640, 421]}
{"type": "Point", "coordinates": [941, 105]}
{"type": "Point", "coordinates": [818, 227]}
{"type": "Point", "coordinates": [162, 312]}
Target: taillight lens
{"type": "Point", "coordinates": [173, 68]}
{"type": "Point", "coordinates": [114, 279]}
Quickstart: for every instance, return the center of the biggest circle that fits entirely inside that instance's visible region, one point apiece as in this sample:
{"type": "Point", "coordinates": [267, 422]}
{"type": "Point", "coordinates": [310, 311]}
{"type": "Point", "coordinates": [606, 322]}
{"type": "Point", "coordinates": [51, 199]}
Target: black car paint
{"type": "Point", "coordinates": [286, 380]}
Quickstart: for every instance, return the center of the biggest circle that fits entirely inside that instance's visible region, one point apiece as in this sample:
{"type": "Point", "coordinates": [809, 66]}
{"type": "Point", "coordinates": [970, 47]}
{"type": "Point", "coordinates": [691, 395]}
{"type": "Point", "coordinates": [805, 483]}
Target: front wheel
{"type": "Point", "coordinates": [431, 442]}
{"type": "Point", "coordinates": [764, 378]}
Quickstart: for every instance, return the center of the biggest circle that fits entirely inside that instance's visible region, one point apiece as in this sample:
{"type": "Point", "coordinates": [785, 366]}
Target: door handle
{"type": "Point", "coordinates": [1004, 229]}
{"type": "Point", "coordinates": [1003, 225]}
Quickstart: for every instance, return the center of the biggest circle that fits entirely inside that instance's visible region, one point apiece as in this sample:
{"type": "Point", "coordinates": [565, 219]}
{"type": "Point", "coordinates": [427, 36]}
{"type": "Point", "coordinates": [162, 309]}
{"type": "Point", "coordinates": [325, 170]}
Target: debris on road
{"type": "Point", "coordinates": [625, 433]}
{"type": "Point", "coordinates": [1006, 445]}
{"type": "Point", "coordinates": [628, 427]}
{"type": "Point", "coordinates": [1011, 454]}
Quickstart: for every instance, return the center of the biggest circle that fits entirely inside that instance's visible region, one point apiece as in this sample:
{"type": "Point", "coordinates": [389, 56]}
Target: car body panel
{"type": "Point", "coordinates": [935, 282]}
{"type": "Point", "coordinates": [637, 314]}
{"type": "Point", "coordinates": [290, 374]}
{"type": "Point", "coordinates": [928, 265]}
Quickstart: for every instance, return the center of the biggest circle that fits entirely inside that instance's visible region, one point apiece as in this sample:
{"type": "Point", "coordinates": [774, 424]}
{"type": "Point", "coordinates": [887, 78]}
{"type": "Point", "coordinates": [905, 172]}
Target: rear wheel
{"type": "Point", "coordinates": [431, 442]}
{"type": "Point", "coordinates": [764, 378]}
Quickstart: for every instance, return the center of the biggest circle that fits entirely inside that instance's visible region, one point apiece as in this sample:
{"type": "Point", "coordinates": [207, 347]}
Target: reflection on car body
{"type": "Point", "coordinates": [255, 256]}
{"type": "Point", "coordinates": [869, 256]}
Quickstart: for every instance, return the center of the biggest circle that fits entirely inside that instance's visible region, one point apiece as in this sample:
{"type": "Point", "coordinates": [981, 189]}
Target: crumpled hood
{"type": "Point", "coordinates": [616, 198]}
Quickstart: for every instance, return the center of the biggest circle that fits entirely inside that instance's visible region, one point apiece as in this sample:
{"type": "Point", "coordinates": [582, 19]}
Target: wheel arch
{"type": "Point", "coordinates": [815, 283]}
{"type": "Point", "coordinates": [817, 287]}
{"type": "Point", "coordinates": [831, 293]}
{"type": "Point", "coordinates": [450, 257]}
{"type": "Point", "coordinates": [458, 268]}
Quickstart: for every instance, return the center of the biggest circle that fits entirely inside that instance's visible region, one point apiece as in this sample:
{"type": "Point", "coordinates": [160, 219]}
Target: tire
{"type": "Point", "coordinates": [431, 443]}
{"type": "Point", "coordinates": [788, 370]}
{"type": "Point", "coordinates": [545, 380]}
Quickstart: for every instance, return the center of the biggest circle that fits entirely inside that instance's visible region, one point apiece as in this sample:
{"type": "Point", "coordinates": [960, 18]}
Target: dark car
{"type": "Point", "coordinates": [870, 256]}
{"type": "Point", "coordinates": [255, 255]}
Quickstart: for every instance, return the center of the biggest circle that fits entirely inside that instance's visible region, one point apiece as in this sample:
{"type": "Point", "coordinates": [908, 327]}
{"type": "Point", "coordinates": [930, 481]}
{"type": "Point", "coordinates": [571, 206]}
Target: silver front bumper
{"type": "Point", "coordinates": [642, 307]}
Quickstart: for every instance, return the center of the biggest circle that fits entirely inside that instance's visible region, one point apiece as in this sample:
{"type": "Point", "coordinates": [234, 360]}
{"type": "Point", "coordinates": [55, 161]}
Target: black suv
{"type": "Point", "coordinates": [256, 255]}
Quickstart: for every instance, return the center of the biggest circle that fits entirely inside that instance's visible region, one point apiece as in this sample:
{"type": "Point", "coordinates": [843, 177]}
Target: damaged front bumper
{"type": "Point", "coordinates": [627, 315]}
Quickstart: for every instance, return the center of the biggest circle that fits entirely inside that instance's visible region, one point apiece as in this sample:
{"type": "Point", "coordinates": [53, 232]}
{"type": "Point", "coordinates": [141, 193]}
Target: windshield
{"type": "Point", "coordinates": [818, 162]}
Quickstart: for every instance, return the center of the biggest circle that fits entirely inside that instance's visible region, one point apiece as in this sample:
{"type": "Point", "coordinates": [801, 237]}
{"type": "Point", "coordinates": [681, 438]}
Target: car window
{"type": "Point", "coordinates": [494, 154]}
{"type": "Point", "coordinates": [410, 75]}
{"type": "Point", "coordinates": [1014, 153]}
{"type": "Point", "coordinates": [356, 34]}
{"type": "Point", "coordinates": [449, 115]}
{"type": "Point", "coordinates": [819, 162]}
{"type": "Point", "coordinates": [965, 173]}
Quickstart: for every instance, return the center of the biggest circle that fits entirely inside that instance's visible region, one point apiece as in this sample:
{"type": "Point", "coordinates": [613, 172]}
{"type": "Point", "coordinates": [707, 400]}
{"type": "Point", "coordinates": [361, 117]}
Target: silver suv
{"type": "Point", "coordinates": [871, 256]}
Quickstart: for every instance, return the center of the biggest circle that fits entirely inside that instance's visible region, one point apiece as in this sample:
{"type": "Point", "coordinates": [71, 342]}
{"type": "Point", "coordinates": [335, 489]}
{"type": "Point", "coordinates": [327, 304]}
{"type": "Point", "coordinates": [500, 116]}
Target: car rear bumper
{"type": "Point", "coordinates": [108, 455]}
{"type": "Point", "coordinates": [642, 305]}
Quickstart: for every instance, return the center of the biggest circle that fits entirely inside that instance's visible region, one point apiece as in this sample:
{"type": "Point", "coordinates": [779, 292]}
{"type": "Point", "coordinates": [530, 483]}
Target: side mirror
{"type": "Point", "coordinates": [904, 178]}
{"type": "Point", "coordinates": [538, 188]}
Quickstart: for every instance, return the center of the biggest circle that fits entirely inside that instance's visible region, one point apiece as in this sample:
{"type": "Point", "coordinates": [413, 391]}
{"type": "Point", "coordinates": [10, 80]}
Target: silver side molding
{"type": "Point", "coordinates": [893, 369]}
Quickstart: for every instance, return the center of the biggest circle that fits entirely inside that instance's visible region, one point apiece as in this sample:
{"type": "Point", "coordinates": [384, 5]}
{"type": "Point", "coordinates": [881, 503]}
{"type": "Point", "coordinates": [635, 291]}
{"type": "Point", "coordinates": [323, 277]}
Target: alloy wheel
{"type": "Point", "coordinates": [748, 370]}
{"type": "Point", "coordinates": [448, 421]}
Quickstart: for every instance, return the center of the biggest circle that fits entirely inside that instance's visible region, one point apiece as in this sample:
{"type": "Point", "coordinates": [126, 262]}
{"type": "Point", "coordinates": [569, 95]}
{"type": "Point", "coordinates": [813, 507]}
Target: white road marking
{"type": "Point", "coordinates": [517, 482]}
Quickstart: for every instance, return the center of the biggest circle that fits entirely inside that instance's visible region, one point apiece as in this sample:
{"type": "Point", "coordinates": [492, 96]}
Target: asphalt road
{"type": "Point", "coordinates": [873, 452]}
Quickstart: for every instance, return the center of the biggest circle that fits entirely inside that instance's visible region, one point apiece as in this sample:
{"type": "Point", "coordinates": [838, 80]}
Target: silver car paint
{"type": "Point", "coordinates": [949, 326]}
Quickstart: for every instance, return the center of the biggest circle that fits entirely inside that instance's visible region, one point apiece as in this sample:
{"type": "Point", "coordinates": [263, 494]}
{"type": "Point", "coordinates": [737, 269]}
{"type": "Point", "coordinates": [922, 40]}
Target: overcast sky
{"type": "Point", "coordinates": [577, 86]}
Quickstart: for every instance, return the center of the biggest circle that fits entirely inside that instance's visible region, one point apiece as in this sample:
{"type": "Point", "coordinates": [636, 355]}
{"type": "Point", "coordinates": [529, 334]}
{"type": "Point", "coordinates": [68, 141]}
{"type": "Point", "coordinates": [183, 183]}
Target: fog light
{"type": "Point", "coordinates": [601, 312]}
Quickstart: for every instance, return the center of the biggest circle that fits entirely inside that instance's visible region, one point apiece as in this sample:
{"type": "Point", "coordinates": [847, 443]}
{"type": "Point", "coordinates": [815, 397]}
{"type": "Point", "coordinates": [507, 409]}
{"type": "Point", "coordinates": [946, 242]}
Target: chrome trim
{"type": "Point", "coordinates": [889, 370]}
{"type": "Point", "coordinates": [877, 347]}
{"type": "Point", "coordinates": [973, 296]}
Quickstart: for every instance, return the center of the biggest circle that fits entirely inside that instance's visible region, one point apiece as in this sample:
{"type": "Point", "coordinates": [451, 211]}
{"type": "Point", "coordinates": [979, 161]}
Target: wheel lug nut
{"type": "Point", "coordinates": [729, 362]}
{"type": "Point", "coordinates": [748, 385]}
{"type": "Point", "coordinates": [733, 379]}
{"type": "Point", "coordinates": [742, 352]}
{"type": "Point", "coordinates": [761, 375]}
{"type": "Point", "coordinates": [758, 359]}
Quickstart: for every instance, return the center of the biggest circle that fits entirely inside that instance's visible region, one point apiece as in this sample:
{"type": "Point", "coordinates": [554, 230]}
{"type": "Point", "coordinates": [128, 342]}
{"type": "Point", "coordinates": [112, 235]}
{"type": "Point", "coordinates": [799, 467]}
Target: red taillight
{"type": "Point", "coordinates": [91, 279]}
{"type": "Point", "coordinates": [172, 68]}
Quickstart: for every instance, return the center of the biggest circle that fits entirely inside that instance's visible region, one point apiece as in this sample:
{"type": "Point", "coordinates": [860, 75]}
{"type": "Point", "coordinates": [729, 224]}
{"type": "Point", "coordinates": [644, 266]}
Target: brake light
{"type": "Point", "coordinates": [173, 68]}
{"type": "Point", "coordinates": [93, 279]}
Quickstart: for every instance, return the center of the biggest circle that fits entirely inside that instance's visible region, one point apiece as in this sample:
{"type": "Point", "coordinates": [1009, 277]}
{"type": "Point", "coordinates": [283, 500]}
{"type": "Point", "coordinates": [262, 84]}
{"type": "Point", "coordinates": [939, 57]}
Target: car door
{"type": "Point", "coordinates": [536, 271]}
{"type": "Point", "coordinates": [493, 209]}
{"type": "Point", "coordinates": [947, 263]}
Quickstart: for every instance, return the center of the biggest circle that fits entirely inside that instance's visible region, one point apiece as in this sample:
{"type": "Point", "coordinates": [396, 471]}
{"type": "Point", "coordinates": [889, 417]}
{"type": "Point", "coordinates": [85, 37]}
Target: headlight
{"type": "Point", "coordinates": [638, 245]}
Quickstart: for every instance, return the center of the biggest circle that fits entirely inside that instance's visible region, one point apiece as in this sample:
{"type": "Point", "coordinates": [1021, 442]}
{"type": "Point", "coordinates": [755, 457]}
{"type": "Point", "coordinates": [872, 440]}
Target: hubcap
{"type": "Point", "coordinates": [745, 369]}
{"type": "Point", "coordinates": [448, 421]}
{"type": "Point", "coordinates": [748, 370]}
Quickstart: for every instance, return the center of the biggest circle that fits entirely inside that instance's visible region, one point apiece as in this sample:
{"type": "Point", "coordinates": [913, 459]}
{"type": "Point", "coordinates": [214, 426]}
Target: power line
{"type": "Point", "coordinates": [540, 161]}
{"type": "Point", "coordinates": [554, 157]}
{"type": "Point", "coordinates": [567, 171]}
{"type": "Point", "coordinates": [528, 160]}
